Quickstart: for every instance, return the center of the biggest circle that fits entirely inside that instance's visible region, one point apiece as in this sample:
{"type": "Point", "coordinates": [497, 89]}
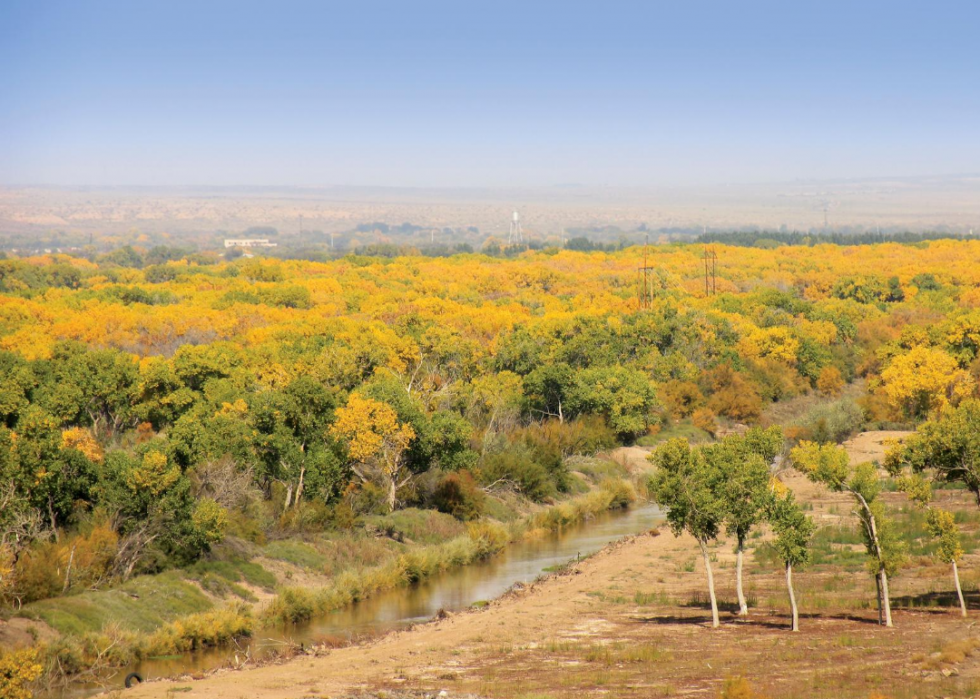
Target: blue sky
{"type": "Point", "coordinates": [485, 93]}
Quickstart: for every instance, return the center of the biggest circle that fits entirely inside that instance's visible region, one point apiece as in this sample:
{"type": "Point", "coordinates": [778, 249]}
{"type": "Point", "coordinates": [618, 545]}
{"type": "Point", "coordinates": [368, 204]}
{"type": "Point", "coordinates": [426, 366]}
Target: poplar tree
{"type": "Point", "coordinates": [793, 530]}
{"type": "Point", "coordinates": [743, 463]}
{"type": "Point", "coordinates": [940, 523]}
{"type": "Point", "coordinates": [686, 485]}
{"type": "Point", "coordinates": [830, 465]}
{"type": "Point", "coordinates": [942, 526]}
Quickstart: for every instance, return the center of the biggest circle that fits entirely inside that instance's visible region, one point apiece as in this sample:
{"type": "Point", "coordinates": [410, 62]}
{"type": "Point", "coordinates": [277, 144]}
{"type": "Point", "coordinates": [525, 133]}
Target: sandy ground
{"type": "Point", "coordinates": [631, 621]}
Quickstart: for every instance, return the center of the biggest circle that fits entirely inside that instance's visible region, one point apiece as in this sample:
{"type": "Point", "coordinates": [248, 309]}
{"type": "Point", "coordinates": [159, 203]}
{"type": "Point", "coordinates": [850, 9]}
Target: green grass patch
{"type": "Point", "coordinates": [419, 526]}
{"type": "Point", "coordinates": [298, 553]}
{"type": "Point", "coordinates": [233, 571]}
{"type": "Point", "coordinates": [142, 604]}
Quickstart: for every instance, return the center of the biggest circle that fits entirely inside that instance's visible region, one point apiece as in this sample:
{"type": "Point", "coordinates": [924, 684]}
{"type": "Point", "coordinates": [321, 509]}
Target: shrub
{"type": "Point", "coordinates": [292, 604]}
{"type": "Point", "coordinates": [17, 671]}
{"type": "Point", "coordinates": [830, 382]}
{"type": "Point", "coordinates": [704, 419]}
{"type": "Point", "coordinates": [682, 398]}
{"type": "Point", "coordinates": [457, 494]}
{"type": "Point", "coordinates": [830, 423]}
{"type": "Point", "coordinates": [738, 688]}
{"type": "Point", "coordinates": [36, 575]}
{"type": "Point", "coordinates": [489, 537]}
{"type": "Point", "coordinates": [516, 466]}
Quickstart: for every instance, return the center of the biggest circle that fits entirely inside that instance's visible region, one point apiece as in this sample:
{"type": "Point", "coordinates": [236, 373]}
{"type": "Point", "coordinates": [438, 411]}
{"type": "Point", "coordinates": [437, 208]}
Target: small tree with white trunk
{"type": "Point", "coordinates": [793, 530]}
{"type": "Point", "coordinates": [940, 523]}
{"type": "Point", "coordinates": [830, 465]}
{"type": "Point", "coordinates": [743, 463]}
{"type": "Point", "coordinates": [687, 486]}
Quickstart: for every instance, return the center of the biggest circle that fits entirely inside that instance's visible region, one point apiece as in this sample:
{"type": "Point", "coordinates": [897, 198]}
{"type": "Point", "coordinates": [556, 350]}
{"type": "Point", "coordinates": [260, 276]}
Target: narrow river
{"type": "Point", "coordinates": [452, 591]}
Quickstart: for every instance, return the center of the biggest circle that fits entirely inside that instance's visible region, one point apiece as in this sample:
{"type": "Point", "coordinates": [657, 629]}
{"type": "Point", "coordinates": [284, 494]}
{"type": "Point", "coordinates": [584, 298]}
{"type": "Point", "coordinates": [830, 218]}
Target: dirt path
{"type": "Point", "coordinates": [631, 622]}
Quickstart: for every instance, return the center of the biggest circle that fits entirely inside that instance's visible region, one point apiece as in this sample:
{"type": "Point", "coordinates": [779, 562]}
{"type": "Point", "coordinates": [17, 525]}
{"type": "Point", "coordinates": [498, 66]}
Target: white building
{"type": "Point", "coordinates": [249, 243]}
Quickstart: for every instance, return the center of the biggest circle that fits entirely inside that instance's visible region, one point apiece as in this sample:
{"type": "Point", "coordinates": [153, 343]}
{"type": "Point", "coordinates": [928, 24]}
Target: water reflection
{"type": "Point", "coordinates": [451, 591]}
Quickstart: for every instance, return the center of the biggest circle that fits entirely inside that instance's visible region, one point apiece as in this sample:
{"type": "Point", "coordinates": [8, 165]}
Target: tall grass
{"type": "Point", "coordinates": [96, 652]}
{"type": "Point", "coordinates": [129, 633]}
{"type": "Point", "coordinates": [482, 540]}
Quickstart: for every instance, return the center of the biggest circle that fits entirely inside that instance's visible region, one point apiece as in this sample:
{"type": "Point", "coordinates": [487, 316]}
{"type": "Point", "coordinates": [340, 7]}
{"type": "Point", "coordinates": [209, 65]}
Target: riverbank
{"type": "Point", "coordinates": [92, 656]}
{"type": "Point", "coordinates": [631, 622]}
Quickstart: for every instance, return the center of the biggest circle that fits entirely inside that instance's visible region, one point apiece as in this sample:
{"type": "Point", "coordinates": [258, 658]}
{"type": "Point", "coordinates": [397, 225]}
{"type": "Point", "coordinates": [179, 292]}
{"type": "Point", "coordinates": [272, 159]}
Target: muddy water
{"type": "Point", "coordinates": [451, 591]}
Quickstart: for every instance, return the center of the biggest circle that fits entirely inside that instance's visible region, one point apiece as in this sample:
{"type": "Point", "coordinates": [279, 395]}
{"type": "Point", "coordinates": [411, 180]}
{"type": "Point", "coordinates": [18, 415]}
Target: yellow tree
{"type": "Point", "coordinates": [924, 379]}
{"type": "Point", "coordinates": [376, 442]}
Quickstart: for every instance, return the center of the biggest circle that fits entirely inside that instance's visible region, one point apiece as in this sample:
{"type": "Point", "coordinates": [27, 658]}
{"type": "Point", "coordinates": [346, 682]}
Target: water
{"type": "Point", "coordinates": [452, 591]}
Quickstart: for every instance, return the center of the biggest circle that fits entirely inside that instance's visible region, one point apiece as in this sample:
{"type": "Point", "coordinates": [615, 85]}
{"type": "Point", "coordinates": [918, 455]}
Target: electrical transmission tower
{"type": "Point", "coordinates": [644, 280]}
{"type": "Point", "coordinates": [710, 271]}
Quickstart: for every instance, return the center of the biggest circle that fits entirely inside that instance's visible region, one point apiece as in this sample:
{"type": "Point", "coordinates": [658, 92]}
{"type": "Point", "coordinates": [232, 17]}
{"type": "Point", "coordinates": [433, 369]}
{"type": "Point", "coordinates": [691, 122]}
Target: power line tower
{"type": "Point", "coordinates": [516, 232]}
{"type": "Point", "coordinates": [710, 271]}
{"type": "Point", "coordinates": [644, 280]}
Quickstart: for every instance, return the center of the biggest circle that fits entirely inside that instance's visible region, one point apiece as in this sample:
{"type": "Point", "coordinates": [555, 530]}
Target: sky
{"type": "Point", "coordinates": [471, 93]}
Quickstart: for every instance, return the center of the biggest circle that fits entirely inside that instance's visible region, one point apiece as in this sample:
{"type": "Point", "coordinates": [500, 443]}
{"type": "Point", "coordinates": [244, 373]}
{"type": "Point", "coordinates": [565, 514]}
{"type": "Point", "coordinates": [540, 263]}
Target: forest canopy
{"type": "Point", "coordinates": [148, 412]}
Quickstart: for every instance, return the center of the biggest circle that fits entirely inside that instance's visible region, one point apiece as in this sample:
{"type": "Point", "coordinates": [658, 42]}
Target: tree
{"type": "Point", "coordinates": [83, 386]}
{"type": "Point", "coordinates": [942, 526]}
{"type": "Point", "coordinates": [624, 396]}
{"type": "Point", "coordinates": [376, 442]}
{"type": "Point", "coordinates": [830, 465]}
{"type": "Point", "coordinates": [292, 441]}
{"type": "Point", "coordinates": [51, 477]}
{"type": "Point", "coordinates": [793, 530]}
{"type": "Point", "coordinates": [947, 446]}
{"type": "Point", "coordinates": [743, 464]}
{"type": "Point", "coordinates": [924, 379]}
{"type": "Point", "coordinates": [940, 523]}
{"type": "Point", "coordinates": [687, 485]}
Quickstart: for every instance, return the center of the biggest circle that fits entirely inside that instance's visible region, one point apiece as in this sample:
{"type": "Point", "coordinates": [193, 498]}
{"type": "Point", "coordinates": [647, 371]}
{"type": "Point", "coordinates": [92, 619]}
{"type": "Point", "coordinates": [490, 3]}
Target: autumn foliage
{"type": "Point", "coordinates": [147, 413]}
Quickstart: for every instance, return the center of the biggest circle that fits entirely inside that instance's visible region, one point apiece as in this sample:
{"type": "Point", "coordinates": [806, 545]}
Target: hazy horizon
{"type": "Point", "coordinates": [437, 95]}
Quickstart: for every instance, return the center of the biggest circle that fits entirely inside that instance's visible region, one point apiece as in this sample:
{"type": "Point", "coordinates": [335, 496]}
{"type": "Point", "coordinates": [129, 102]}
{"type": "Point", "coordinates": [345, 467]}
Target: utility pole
{"type": "Point", "coordinates": [644, 280]}
{"type": "Point", "coordinates": [710, 258]}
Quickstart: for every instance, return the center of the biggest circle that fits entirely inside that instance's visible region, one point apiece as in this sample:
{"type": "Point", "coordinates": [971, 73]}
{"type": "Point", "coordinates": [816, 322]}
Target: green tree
{"type": "Point", "coordinates": [793, 530]}
{"type": "Point", "coordinates": [942, 526]}
{"type": "Point", "coordinates": [15, 388]}
{"type": "Point", "coordinates": [623, 396]}
{"type": "Point", "coordinates": [84, 386]}
{"type": "Point", "coordinates": [687, 486]}
{"type": "Point", "coordinates": [743, 463]}
{"type": "Point", "coordinates": [948, 447]}
{"type": "Point", "coordinates": [292, 439]}
{"type": "Point", "coordinates": [830, 465]}
{"type": "Point", "coordinates": [52, 478]}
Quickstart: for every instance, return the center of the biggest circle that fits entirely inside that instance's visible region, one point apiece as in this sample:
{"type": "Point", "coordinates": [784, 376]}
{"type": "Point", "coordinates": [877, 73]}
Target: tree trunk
{"type": "Point", "coordinates": [711, 587]}
{"type": "Point", "coordinates": [289, 496]}
{"type": "Point", "coordinates": [54, 522]}
{"type": "Point", "coordinates": [881, 612]}
{"type": "Point", "coordinates": [792, 596]}
{"type": "Point", "coordinates": [71, 559]}
{"type": "Point", "coordinates": [743, 607]}
{"type": "Point", "coordinates": [299, 486]}
{"type": "Point", "coordinates": [884, 598]}
{"type": "Point", "coordinates": [392, 494]}
{"type": "Point", "coordinates": [959, 589]}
